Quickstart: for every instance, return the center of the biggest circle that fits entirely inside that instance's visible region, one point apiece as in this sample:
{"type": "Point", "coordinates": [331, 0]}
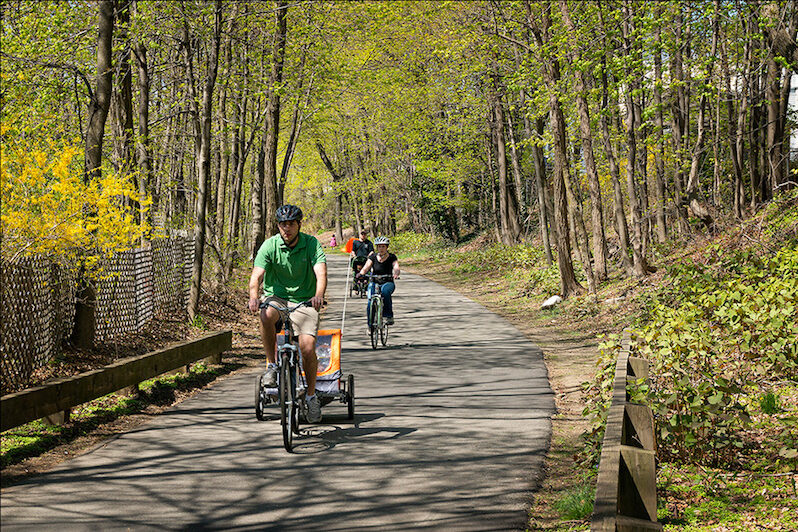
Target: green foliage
{"type": "Point", "coordinates": [769, 403]}
{"type": "Point", "coordinates": [577, 503]}
{"type": "Point", "coordinates": [409, 243]}
{"type": "Point", "coordinates": [714, 334]}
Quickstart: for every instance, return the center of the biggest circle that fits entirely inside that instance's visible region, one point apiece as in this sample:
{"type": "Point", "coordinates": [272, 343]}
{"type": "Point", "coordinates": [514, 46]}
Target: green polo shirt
{"type": "Point", "coordinates": [289, 272]}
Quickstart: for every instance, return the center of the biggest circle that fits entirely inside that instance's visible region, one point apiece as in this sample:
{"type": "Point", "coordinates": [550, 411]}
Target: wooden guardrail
{"type": "Point", "coordinates": [626, 488]}
{"type": "Point", "coordinates": [63, 394]}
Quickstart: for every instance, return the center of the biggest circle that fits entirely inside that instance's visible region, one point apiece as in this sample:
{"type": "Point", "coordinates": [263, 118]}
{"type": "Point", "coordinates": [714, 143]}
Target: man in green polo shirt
{"type": "Point", "coordinates": [291, 268]}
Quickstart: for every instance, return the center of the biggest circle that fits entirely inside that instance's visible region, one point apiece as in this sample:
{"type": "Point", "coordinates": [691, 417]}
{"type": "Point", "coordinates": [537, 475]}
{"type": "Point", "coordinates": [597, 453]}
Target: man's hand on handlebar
{"type": "Point", "coordinates": [316, 302]}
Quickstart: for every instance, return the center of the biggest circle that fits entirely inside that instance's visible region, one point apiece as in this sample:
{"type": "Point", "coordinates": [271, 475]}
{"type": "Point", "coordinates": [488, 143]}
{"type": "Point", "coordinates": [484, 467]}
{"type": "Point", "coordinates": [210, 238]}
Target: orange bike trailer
{"type": "Point", "coordinates": [328, 353]}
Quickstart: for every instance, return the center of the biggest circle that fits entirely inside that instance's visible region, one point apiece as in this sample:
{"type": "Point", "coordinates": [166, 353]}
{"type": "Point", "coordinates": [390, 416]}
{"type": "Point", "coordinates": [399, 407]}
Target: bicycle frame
{"type": "Point", "coordinates": [290, 380]}
{"type": "Point", "coordinates": [376, 303]}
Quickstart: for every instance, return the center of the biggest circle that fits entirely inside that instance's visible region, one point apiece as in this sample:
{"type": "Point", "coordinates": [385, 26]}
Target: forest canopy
{"type": "Point", "coordinates": [597, 129]}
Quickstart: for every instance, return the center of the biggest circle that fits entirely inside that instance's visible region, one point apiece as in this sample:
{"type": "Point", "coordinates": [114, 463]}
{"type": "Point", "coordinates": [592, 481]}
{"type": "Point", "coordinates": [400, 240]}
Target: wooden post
{"type": "Point", "coordinates": [626, 488]}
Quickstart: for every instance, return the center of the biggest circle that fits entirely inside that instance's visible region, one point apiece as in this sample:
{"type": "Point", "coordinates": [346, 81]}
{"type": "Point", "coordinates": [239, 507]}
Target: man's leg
{"type": "Point", "coordinates": [307, 345]}
{"type": "Point", "coordinates": [268, 319]}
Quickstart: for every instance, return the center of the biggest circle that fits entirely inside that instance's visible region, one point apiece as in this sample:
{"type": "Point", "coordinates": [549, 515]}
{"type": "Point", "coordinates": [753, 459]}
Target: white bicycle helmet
{"type": "Point", "coordinates": [382, 240]}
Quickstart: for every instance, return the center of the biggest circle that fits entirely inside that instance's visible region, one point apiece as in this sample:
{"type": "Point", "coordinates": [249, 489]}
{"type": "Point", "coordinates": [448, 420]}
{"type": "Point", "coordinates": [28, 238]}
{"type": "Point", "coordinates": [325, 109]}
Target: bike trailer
{"type": "Point", "coordinates": [328, 353]}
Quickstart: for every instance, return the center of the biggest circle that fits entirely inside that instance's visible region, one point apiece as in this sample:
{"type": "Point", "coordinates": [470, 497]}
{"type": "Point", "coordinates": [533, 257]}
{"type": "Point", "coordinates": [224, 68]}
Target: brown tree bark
{"type": "Point", "coordinates": [540, 30]}
{"type": "Point", "coordinates": [639, 265]}
{"type": "Point", "coordinates": [540, 187]}
{"type": "Point", "coordinates": [124, 149]}
{"type": "Point", "coordinates": [659, 151]}
{"type": "Point", "coordinates": [267, 225]}
{"type": "Point", "coordinates": [693, 193]}
{"type": "Point", "coordinates": [596, 207]}
{"type": "Point", "coordinates": [99, 103]}
{"type": "Point", "coordinates": [143, 149]}
{"type": "Point", "coordinates": [203, 128]}
{"type": "Point", "coordinates": [680, 117]}
{"type": "Point", "coordinates": [510, 229]}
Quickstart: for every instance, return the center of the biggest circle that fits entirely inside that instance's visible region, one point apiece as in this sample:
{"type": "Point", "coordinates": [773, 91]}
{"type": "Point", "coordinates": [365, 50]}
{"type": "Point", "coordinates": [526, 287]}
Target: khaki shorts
{"type": "Point", "coordinates": [304, 319]}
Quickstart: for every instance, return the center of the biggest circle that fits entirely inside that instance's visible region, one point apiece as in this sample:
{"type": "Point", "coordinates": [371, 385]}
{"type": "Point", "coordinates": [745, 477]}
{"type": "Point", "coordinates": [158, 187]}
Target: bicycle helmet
{"type": "Point", "coordinates": [289, 212]}
{"type": "Point", "coordinates": [382, 240]}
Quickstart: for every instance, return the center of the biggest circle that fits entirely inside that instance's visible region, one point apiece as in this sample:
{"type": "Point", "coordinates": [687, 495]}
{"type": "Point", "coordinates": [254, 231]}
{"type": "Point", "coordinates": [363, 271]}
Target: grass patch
{"type": "Point", "coordinates": [695, 498]}
{"type": "Point", "coordinates": [576, 503]}
{"type": "Point", "coordinates": [37, 437]}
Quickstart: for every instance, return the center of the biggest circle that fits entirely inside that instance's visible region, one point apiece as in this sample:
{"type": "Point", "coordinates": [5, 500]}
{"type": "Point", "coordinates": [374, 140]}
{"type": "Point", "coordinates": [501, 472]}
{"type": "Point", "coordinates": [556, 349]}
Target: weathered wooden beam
{"type": "Point", "coordinates": [626, 495]}
{"type": "Point", "coordinates": [638, 427]}
{"type": "Point", "coordinates": [34, 403]}
{"type": "Point", "coordinates": [637, 487]}
{"type": "Point", "coordinates": [605, 506]}
{"type": "Point", "coordinates": [637, 367]}
{"type": "Point", "coordinates": [630, 524]}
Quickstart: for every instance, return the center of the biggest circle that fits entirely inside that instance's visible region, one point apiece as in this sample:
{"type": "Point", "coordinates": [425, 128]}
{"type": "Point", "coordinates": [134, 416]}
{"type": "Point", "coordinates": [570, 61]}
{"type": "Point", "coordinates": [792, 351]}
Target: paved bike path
{"type": "Point", "coordinates": [451, 426]}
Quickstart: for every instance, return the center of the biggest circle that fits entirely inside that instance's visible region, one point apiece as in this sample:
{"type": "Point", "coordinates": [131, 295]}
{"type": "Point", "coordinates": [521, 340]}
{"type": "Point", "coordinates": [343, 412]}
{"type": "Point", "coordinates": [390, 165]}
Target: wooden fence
{"type": "Point", "coordinates": [626, 488]}
{"type": "Point", "coordinates": [37, 309]}
{"type": "Point", "coordinates": [61, 395]}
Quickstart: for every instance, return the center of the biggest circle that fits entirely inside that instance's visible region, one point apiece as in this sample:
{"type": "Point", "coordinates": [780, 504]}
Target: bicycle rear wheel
{"type": "Point", "coordinates": [287, 403]}
{"type": "Point", "coordinates": [260, 400]}
{"type": "Point", "coordinates": [373, 319]}
{"type": "Point", "coordinates": [350, 390]}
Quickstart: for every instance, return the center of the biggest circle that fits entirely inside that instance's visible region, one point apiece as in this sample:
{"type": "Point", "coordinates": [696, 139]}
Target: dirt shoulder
{"type": "Point", "coordinates": [570, 359]}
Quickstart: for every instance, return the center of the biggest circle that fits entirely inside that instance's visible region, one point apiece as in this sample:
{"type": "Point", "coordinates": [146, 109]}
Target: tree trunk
{"type": "Point", "coordinates": [508, 214]}
{"type": "Point", "coordinates": [124, 148]}
{"type": "Point", "coordinates": [680, 116]}
{"type": "Point", "coordinates": [568, 283]}
{"type": "Point", "coordinates": [639, 266]}
{"type": "Point", "coordinates": [336, 177]}
{"type": "Point", "coordinates": [659, 150]}
{"type": "Point", "coordinates": [596, 207]}
{"type": "Point", "coordinates": [204, 164]}
{"type": "Point", "coordinates": [100, 101]}
{"type": "Point", "coordinates": [143, 141]}
{"type": "Point", "coordinates": [620, 225]}
{"type": "Point", "coordinates": [693, 193]}
{"type": "Point", "coordinates": [518, 180]}
{"type": "Point", "coordinates": [271, 133]}
{"type": "Point", "coordinates": [540, 186]}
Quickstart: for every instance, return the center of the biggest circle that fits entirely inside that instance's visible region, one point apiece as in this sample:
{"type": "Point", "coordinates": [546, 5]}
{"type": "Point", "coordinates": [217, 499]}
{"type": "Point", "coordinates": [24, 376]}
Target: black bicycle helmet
{"type": "Point", "coordinates": [289, 212]}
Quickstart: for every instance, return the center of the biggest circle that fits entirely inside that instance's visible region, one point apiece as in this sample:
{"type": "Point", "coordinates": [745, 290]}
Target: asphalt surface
{"type": "Point", "coordinates": [451, 425]}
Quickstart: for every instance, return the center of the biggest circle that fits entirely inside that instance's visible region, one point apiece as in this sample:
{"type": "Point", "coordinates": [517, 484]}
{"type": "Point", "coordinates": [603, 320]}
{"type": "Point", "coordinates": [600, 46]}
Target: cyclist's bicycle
{"type": "Point", "coordinates": [291, 384]}
{"type": "Point", "coordinates": [359, 284]}
{"type": "Point", "coordinates": [378, 328]}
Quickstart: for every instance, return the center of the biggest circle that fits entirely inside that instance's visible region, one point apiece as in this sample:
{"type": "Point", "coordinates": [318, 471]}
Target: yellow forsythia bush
{"type": "Point", "coordinates": [47, 208]}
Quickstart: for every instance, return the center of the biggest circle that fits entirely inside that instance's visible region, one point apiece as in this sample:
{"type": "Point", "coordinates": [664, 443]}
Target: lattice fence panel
{"type": "Point", "coordinates": [116, 298]}
{"type": "Point", "coordinates": [39, 296]}
{"type": "Point", "coordinates": [37, 314]}
{"type": "Point", "coordinates": [169, 280]}
{"type": "Point", "coordinates": [142, 262]}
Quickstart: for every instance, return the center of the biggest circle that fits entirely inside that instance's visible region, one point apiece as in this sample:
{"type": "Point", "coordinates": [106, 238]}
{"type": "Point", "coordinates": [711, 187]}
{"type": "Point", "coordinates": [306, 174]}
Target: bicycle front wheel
{"type": "Point", "coordinates": [287, 393]}
{"type": "Point", "coordinates": [384, 333]}
{"type": "Point", "coordinates": [374, 320]}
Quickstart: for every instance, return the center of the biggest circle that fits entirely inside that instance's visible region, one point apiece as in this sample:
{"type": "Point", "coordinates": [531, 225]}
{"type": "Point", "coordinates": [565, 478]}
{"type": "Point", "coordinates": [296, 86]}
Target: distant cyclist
{"type": "Point", "coordinates": [291, 268]}
{"type": "Point", "coordinates": [361, 249]}
{"type": "Point", "coordinates": [382, 263]}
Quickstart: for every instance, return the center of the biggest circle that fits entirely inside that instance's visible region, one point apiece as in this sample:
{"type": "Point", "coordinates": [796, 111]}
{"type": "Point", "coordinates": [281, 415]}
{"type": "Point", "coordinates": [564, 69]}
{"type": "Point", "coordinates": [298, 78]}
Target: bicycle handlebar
{"type": "Point", "coordinates": [381, 277]}
{"type": "Point", "coordinates": [289, 309]}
